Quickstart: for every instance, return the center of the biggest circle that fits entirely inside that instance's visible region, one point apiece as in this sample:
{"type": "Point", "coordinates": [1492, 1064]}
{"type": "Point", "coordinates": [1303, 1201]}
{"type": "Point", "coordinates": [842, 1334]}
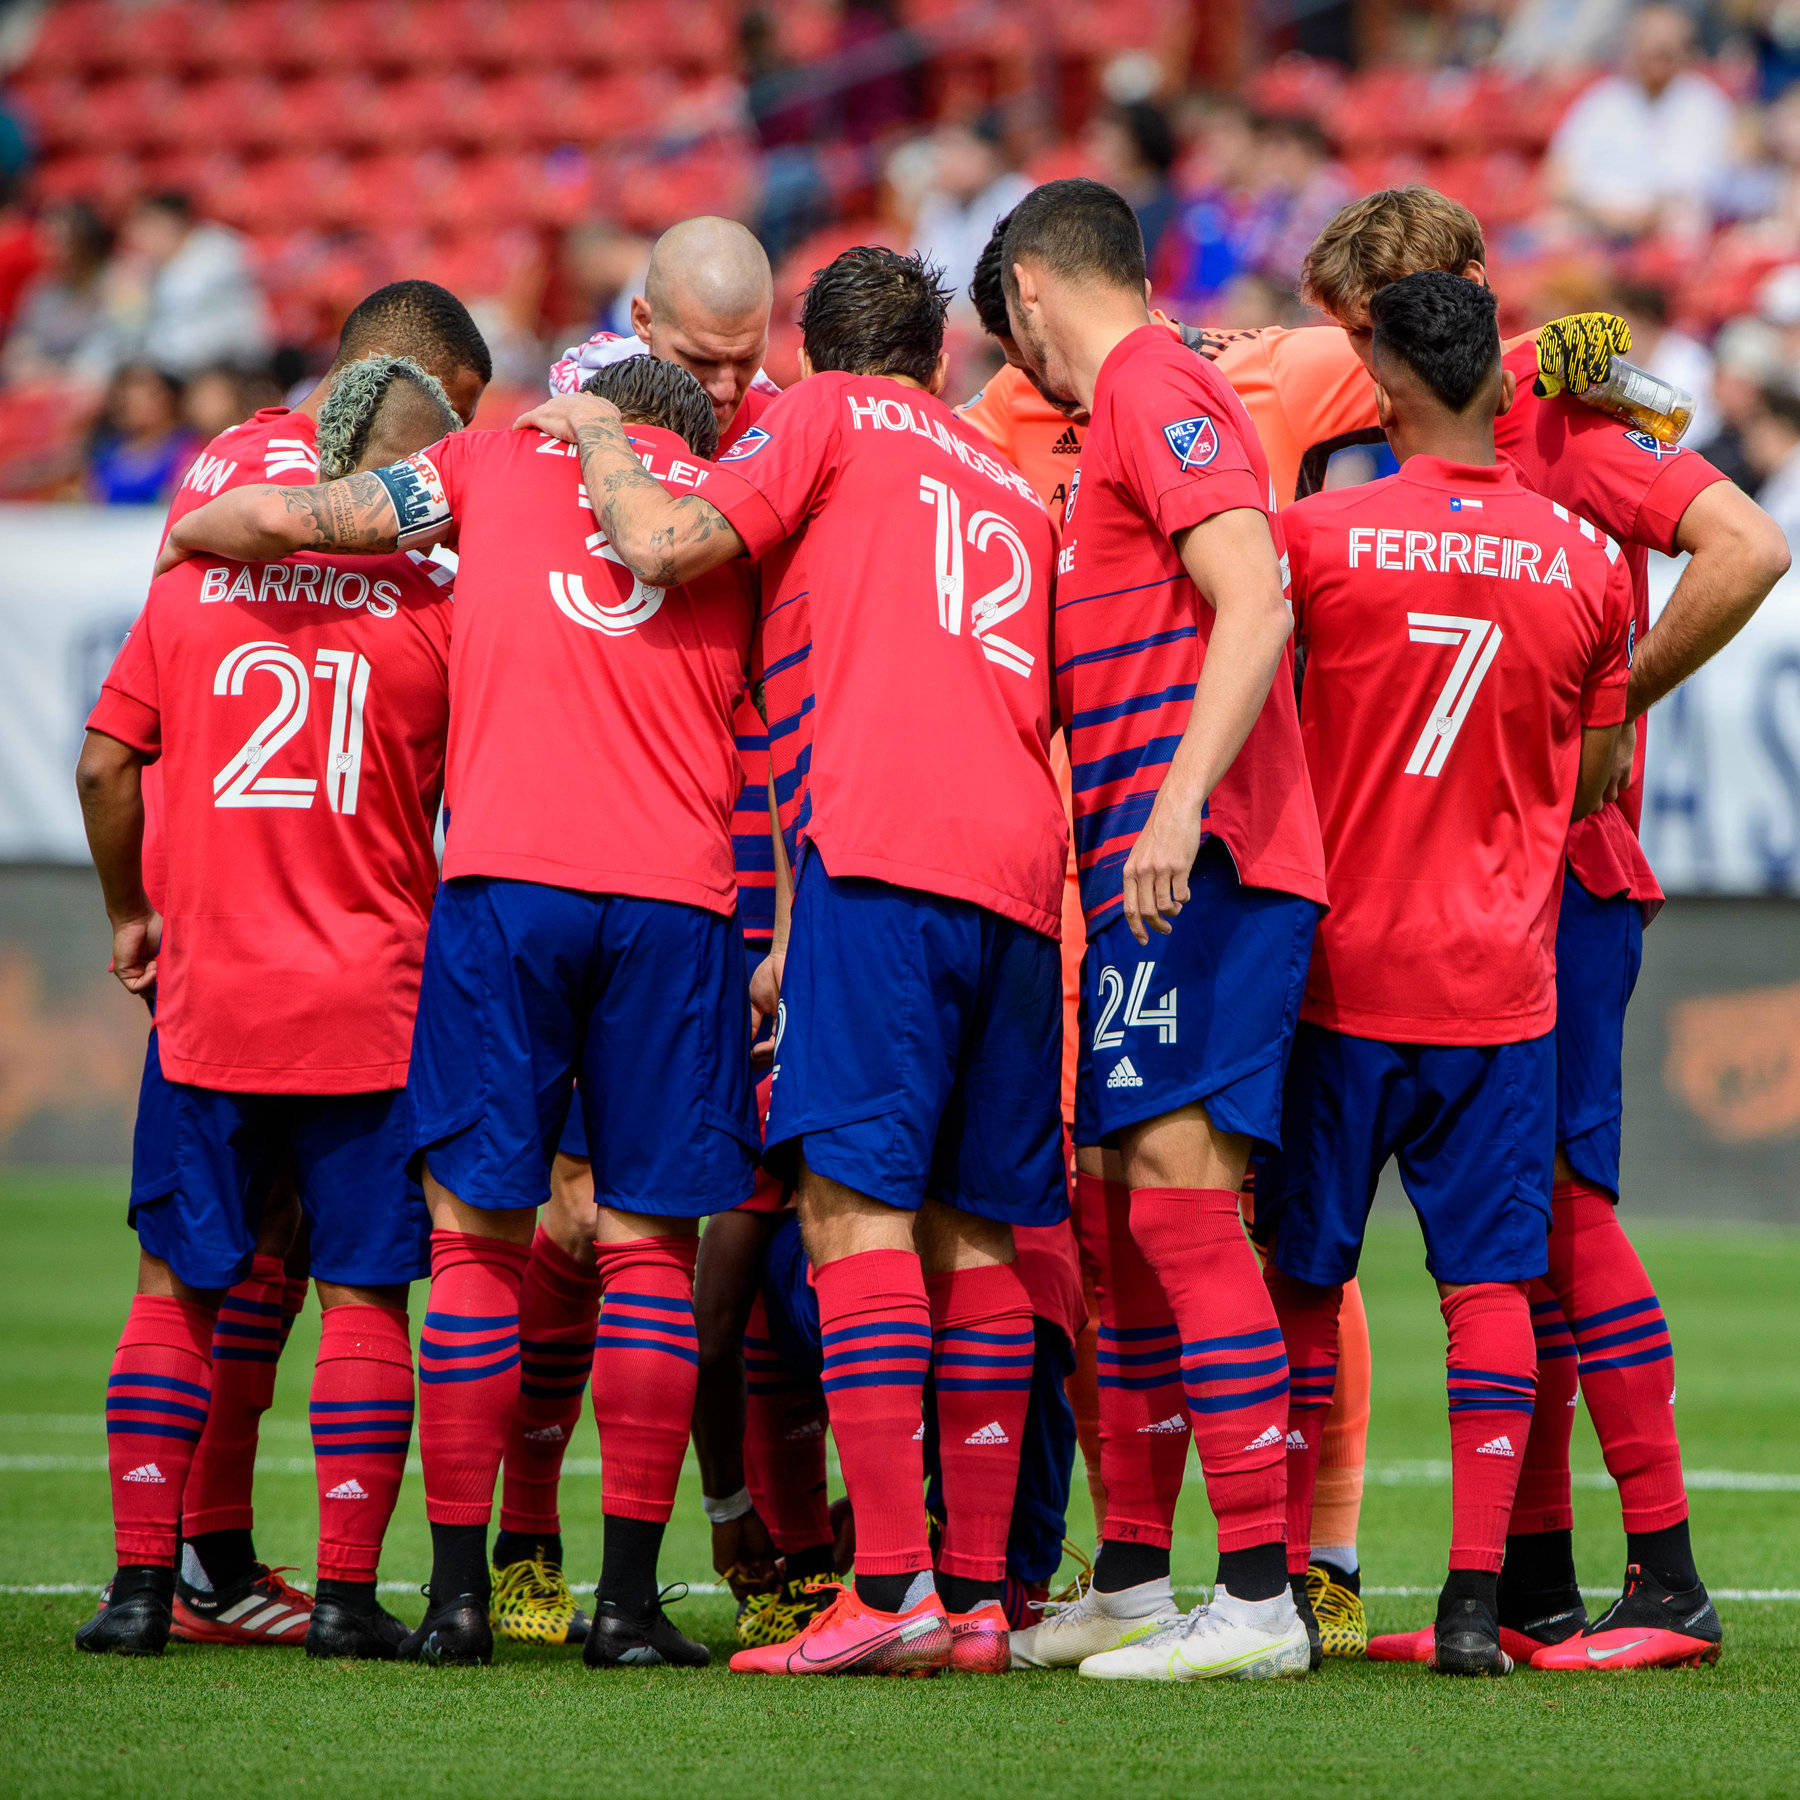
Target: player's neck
{"type": "Point", "coordinates": [1099, 330]}
{"type": "Point", "coordinates": [1450, 440]}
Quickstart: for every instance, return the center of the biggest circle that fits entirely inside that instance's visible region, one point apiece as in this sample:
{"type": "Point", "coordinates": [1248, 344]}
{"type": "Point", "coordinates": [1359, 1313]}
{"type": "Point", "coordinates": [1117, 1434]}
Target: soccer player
{"type": "Point", "coordinates": [1598, 1299]}
{"type": "Point", "coordinates": [906, 646]}
{"type": "Point", "coordinates": [283, 1020]}
{"type": "Point", "coordinates": [584, 924]}
{"type": "Point", "coordinates": [219, 1568]}
{"type": "Point", "coordinates": [1202, 879]}
{"type": "Point", "coordinates": [1467, 648]}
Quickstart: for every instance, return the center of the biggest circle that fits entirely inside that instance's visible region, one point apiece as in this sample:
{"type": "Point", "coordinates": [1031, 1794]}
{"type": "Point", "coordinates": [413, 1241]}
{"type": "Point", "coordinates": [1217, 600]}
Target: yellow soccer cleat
{"type": "Point", "coordinates": [1343, 1626]}
{"type": "Point", "coordinates": [531, 1604]}
{"type": "Point", "coordinates": [765, 1619]}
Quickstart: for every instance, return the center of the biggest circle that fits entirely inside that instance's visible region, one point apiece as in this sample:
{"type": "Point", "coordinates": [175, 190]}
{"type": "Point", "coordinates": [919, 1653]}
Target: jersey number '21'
{"type": "Point", "coordinates": [245, 780]}
{"type": "Point", "coordinates": [1478, 643]}
{"type": "Point", "coordinates": [998, 603]}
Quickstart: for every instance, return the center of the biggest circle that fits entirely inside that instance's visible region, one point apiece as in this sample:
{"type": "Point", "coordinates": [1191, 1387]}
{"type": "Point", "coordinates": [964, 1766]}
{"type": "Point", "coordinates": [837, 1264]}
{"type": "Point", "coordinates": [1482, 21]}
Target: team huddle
{"type": "Point", "coordinates": [999, 868]}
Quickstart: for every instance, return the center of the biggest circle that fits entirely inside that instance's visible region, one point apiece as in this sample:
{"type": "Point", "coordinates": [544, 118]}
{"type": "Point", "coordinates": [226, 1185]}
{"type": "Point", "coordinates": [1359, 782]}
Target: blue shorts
{"type": "Point", "coordinates": [918, 1051]}
{"type": "Point", "coordinates": [1471, 1127]}
{"type": "Point", "coordinates": [1034, 1544]}
{"type": "Point", "coordinates": [1599, 950]}
{"type": "Point", "coordinates": [528, 986]}
{"type": "Point", "coordinates": [1205, 1014]}
{"type": "Point", "coordinates": [203, 1162]}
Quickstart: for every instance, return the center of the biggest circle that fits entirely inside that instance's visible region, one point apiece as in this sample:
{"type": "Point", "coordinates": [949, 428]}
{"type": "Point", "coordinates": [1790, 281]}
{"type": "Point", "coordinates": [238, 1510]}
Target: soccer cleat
{"type": "Point", "coordinates": [1650, 1626]}
{"type": "Point", "coordinates": [531, 1604]}
{"type": "Point", "coordinates": [137, 1623]}
{"type": "Point", "coordinates": [1225, 1640]}
{"type": "Point", "coordinates": [368, 1633]}
{"type": "Point", "coordinates": [1072, 1630]}
{"type": "Point", "coordinates": [1466, 1639]}
{"type": "Point", "coordinates": [1522, 1644]}
{"type": "Point", "coordinates": [1315, 1645]}
{"type": "Point", "coordinates": [1343, 1625]}
{"type": "Point", "coordinates": [774, 1618]}
{"type": "Point", "coordinates": [980, 1641]}
{"type": "Point", "coordinates": [849, 1638]}
{"type": "Point", "coordinates": [453, 1635]}
{"type": "Point", "coordinates": [618, 1639]}
{"type": "Point", "coordinates": [260, 1609]}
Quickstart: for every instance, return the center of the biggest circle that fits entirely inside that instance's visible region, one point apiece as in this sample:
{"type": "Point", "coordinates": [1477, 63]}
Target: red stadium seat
{"type": "Point", "coordinates": [80, 37]}
{"type": "Point", "coordinates": [153, 38]}
{"type": "Point", "coordinates": [133, 112]}
{"type": "Point", "coordinates": [1296, 86]}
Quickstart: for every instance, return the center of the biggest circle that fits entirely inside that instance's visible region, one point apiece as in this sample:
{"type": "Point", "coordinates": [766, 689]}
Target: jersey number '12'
{"type": "Point", "coordinates": [245, 780]}
{"type": "Point", "coordinates": [1478, 643]}
{"type": "Point", "coordinates": [998, 603]}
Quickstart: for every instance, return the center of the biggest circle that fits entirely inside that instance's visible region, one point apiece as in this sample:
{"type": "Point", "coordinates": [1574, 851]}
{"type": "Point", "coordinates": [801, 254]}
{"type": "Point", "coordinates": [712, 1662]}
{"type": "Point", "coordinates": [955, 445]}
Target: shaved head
{"type": "Point", "coordinates": [705, 305]}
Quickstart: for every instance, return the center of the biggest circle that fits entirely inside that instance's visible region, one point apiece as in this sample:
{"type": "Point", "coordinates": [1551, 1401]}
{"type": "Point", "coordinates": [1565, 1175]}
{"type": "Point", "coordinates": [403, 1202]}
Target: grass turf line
{"type": "Point", "coordinates": [205, 1722]}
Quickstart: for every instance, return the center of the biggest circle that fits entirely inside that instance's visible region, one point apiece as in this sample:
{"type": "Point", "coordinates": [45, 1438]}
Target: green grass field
{"type": "Point", "coordinates": [205, 1722]}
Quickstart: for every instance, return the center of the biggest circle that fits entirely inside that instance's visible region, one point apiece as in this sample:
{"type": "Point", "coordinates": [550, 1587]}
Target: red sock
{"type": "Point", "coordinates": [361, 1413]}
{"type": "Point", "coordinates": [156, 1401]}
{"type": "Point", "coordinates": [293, 1302]}
{"type": "Point", "coordinates": [646, 1367]}
{"type": "Point", "coordinates": [1233, 1366]}
{"type": "Point", "coordinates": [1542, 1502]}
{"type": "Point", "coordinates": [876, 1331]}
{"type": "Point", "coordinates": [1143, 1412]}
{"type": "Point", "coordinates": [247, 1340]}
{"type": "Point", "coordinates": [784, 1444]}
{"type": "Point", "coordinates": [559, 1312]}
{"type": "Point", "coordinates": [1309, 1328]}
{"type": "Point", "coordinates": [1491, 1377]}
{"type": "Point", "coordinates": [468, 1372]}
{"type": "Point", "coordinates": [1627, 1361]}
{"type": "Point", "coordinates": [983, 1344]}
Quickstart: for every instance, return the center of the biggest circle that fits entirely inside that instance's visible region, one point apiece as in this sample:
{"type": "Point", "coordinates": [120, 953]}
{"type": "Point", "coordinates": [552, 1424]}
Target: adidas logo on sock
{"type": "Point", "coordinates": [1295, 1441]}
{"type": "Point", "coordinates": [1500, 1446]}
{"type": "Point", "coordinates": [1264, 1439]}
{"type": "Point", "coordinates": [348, 1490]}
{"type": "Point", "coordinates": [1124, 1075]}
{"type": "Point", "coordinates": [991, 1433]}
{"type": "Point", "coordinates": [148, 1473]}
{"type": "Point", "coordinates": [1165, 1427]}
{"type": "Point", "coordinates": [810, 1428]}
{"type": "Point", "coordinates": [545, 1434]}
{"type": "Point", "coordinates": [1067, 445]}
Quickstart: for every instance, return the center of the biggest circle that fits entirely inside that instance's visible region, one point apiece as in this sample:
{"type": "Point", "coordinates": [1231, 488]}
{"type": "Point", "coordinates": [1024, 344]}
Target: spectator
{"type": "Point", "coordinates": [142, 449]}
{"type": "Point", "coordinates": [1557, 36]}
{"type": "Point", "coordinates": [199, 304]}
{"type": "Point", "coordinates": [1644, 148]}
{"type": "Point", "coordinates": [19, 249]}
{"type": "Point", "coordinates": [1658, 346]}
{"type": "Point", "coordinates": [1217, 232]}
{"type": "Point", "coordinates": [1772, 447]}
{"type": "Point", "coordinates": [1303, 188]}
{"type": "Point", "coordinates": [214, 401]}
{"type": "Point", "coordinates": [970, 187]}
{"type": "Point", "coordinates": [1133, 149]}
{"type": "Point", "coordinates": [1747, 356]}
{"type": "Point", "coordinates": [603, 266]}
{"type": "Point", "coordinates": [65, 325]}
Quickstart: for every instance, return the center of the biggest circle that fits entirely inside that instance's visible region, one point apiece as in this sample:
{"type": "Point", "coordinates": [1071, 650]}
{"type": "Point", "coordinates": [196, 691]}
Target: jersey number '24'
{"type": "Point", "coordinates": [245, 780]}
{"type": "Point", "coordinates": [998, 603]}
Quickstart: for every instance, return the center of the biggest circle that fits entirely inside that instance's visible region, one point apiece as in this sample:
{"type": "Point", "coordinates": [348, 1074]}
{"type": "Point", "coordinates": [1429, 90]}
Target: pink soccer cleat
{"type": "Point", "coordinates": [849, 1638]}
{"type": "Point", "coordinates": [981, 1641]}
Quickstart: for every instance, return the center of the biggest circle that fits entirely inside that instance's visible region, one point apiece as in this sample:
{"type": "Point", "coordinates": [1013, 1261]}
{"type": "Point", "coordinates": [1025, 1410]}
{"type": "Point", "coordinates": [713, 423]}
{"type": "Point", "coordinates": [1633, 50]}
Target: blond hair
{"type": "Point", "coordinates": [1383, 236]}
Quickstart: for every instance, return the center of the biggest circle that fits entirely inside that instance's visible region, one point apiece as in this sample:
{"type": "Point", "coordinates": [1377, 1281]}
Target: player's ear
{"type": "Point", "coordinates": [940, 374]}
{"type": "Point", "coordinates": [640, 317]}
{"type": "Point", "coordinates": [1384, 407]}
{"type": "Point", "coordinates": [1509, 386]}
{"type": "Point", "coordinates": [806, 365]}
{"type": "Point", "coordinates": [1148, 302]}
{"type": "Point", "coordinates": [1474, 271]}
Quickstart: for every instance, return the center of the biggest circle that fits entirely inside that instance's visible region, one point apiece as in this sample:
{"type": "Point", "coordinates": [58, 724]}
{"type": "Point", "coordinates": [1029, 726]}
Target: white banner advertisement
{"type": "Point", "coordinates": [1721, 812]}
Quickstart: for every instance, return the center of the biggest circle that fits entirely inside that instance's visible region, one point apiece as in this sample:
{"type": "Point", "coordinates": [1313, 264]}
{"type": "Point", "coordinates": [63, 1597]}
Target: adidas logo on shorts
{"type": "Point", "coordinates": [348, 1490]}
{"type": "Point", "coordinates": [1168, 1427]}
{"type": "Point", "coordinates": [1500, 1446]}
{"type": "Point", "coordinates": [1265, 1439]}
{"type": "Point", "coordinates": [1067, 445]}
{"type": "Point", "coordinates": [545, 1434]}
{"type": "Point", "coordinates": [991, 1433]}
{"type": "Point", "coordinates": [148, 1473]}
{"type": "Point", "coordinates": [1124, 1075]}
{"type": "Point", "coordinates": [1295, 1441]}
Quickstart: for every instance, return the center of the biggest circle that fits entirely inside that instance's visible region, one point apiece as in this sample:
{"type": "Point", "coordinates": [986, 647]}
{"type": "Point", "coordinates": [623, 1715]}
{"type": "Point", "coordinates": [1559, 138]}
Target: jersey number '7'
{"type": "Point", "coordinates": [998, 603]}
{"type": "Point", "coordinates": [1478, 642]}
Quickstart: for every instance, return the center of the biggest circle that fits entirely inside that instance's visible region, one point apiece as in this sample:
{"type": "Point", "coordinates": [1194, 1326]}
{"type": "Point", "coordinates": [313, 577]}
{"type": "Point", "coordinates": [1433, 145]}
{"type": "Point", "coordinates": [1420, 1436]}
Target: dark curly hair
{"type": "Point", "coordinates": [873, 311]}
{"type": "Point", "coordinates": [1442, 327]}
{"type": "Point", "coordinates": [649, 391]}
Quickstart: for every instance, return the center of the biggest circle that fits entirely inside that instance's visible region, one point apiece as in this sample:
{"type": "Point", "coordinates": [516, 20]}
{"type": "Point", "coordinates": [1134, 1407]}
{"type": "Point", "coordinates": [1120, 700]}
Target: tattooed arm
{"type": "Point", "coordinates": [262, 524]}
{"type": "Point", "coordinates": [662, 538]}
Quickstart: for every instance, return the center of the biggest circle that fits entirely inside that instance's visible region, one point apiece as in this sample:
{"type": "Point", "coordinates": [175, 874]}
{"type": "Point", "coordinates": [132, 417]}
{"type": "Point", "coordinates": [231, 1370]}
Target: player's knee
{"type": "Point", "coordinates": [571, 1219]}
{"type": "Point", "coordinates": [949, 1239]}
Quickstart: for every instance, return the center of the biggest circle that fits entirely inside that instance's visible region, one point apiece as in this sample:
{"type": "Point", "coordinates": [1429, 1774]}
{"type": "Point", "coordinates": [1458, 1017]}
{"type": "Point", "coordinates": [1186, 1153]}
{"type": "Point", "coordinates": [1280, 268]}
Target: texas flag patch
{"type": "Point", "coordinates": [748, 445]}
{"type": "Point", "coordinates": [1458, 504]}
{"type": "Point", "coordinates": [1194, 441]}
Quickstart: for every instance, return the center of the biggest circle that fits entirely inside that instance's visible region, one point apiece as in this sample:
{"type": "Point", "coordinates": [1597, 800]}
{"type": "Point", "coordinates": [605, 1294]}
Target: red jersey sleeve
{"type": "Point", "coordinates": [778, 471]}
{"type": "Point", "coordinates": [1603, 692]}
{"type": "Point", "coordinates": [1296, 534]}
{"type": "Point", "coordinates": [130, 705]}
{"type": "Point", "coordinates": [1182, 449]}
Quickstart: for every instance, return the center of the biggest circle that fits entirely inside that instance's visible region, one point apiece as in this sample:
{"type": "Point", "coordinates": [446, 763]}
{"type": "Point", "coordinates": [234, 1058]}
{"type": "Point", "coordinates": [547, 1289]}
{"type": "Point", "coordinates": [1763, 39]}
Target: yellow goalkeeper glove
{"type": "Point", "coordinates": [1575, 353]}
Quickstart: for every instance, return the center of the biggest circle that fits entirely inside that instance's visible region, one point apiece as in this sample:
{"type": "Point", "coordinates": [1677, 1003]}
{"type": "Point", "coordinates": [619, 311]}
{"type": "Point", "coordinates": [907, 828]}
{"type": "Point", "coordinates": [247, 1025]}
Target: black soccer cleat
{"type": "Point", "coordinates": [619, 1639]}
{"type": "Point", "coordinates": [1303, 1605]}
{"type": "Point", "coordinates": [368, 1633]}
{"type": "Point", "coordinates": [455, 1635]}
{"type": "Point", "coordinates": [1466, 1639]}
{"type": "Point", "coordinates": [136, 1610]}
{"type": "Point", "coordinates": [1649, 1626]}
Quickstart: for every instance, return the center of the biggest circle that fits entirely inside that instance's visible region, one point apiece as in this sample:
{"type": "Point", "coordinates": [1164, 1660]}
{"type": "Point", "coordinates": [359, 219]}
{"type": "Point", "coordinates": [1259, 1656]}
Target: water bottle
{"type": "Point", "coordinates": [1639, 398]}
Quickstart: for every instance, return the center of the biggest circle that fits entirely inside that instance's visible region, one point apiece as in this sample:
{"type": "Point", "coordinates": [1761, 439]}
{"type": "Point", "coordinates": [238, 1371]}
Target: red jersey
{"type": "Point", "coordinates": [1170, 446]}
{"type": "Point", "coordinates": [1635, 489]}
{"type": "Point", "coordinates": [752, 843]}
{"type": "Point", "coordinates": [590, 716]}
{"type": "Point", "coordinates": [1459, 632]}
{"type": "Point", "coordinates": [905, 643]}
{"type": "Point", "coordinates": [298, 712]}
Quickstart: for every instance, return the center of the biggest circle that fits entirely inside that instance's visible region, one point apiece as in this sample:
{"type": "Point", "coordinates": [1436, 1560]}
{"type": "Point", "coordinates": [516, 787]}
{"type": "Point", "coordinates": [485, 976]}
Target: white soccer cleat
{"type": "Point", "coordinates": [1227, 1639]}
{"type": "Point", "coordinates": [1092, 1622]}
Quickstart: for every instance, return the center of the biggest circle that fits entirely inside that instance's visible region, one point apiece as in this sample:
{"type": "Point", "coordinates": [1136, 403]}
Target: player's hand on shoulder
{"type": "Point", "coordinates": [1157, 870]}
{"type": "Point", "coordinates": [135, 944]}
{"type": "Point", "coordinates": [563, 415]}
{"type": "Point", "coordinates": [1575, 353]}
